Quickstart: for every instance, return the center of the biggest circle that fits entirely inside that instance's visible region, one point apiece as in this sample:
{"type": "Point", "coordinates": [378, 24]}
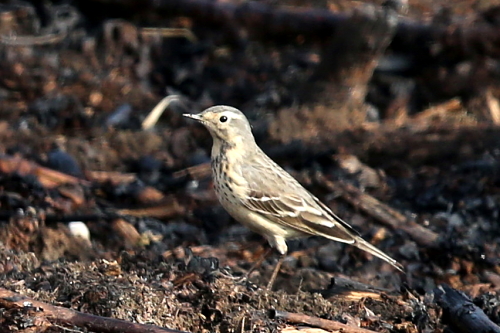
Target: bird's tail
{"type": "Point", "coordinates": [365, 246]}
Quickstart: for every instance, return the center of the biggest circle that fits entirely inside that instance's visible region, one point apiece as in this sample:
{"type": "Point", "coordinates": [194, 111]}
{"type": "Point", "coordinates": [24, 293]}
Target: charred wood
{"type": "Point", "coordinates": [461, 314]}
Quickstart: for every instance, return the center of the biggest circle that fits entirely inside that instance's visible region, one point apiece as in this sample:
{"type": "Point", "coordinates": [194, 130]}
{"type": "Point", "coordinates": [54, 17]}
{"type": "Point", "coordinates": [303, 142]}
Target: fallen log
{"type": "Point", "coordinates": [285, 24]}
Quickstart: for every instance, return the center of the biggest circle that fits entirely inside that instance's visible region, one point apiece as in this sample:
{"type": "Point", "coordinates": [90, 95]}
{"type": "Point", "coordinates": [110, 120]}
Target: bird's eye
{"type": "Point", "coordinates": [223, 119]}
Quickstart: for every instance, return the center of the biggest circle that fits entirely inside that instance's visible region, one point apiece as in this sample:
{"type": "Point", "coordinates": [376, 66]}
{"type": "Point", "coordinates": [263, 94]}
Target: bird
{"type": "Point", "coordinates": [261, 195]}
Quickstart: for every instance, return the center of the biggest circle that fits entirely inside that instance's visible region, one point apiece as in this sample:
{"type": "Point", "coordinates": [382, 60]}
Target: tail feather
{"type": "Point", "coordinates": [365, 246]}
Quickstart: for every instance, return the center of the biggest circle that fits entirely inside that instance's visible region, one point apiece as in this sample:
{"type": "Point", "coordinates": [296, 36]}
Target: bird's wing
{"type": "Point", "coordinates": [281, 199]}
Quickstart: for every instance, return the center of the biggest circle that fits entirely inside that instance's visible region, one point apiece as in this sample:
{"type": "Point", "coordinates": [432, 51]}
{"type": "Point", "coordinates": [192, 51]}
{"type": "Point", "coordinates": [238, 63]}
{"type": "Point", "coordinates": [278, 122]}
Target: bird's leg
{"type": "Point", "coordinates": [258, 262]}
{"type": "Point", "coordinates": [275, 272]}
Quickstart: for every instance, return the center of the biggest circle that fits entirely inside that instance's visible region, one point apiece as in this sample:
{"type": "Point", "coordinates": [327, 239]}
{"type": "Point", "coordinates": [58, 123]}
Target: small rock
{"type": "Point", "coordinates": [60, 160]}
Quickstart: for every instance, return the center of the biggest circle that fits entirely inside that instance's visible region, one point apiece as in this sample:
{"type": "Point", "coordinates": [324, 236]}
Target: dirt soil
{"type": "Point", "coordinates": [101, 216]}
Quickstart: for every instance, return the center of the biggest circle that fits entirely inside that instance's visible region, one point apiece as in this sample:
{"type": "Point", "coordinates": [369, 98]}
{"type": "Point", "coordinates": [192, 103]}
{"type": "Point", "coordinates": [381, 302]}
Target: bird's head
{"type": "Point", "coordinates": [226, 124]}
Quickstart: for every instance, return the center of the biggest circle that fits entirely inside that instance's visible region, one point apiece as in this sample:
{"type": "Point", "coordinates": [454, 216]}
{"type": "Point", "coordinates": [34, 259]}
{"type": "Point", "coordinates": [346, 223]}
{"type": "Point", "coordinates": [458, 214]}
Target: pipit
{"type": "Point", "coordinates": [258, 193]}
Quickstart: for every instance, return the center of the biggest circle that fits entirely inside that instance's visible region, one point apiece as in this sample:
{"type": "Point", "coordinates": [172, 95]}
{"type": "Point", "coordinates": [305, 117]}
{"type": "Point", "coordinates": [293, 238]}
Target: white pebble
{"type": "Point", "coordinates": [79, 229]}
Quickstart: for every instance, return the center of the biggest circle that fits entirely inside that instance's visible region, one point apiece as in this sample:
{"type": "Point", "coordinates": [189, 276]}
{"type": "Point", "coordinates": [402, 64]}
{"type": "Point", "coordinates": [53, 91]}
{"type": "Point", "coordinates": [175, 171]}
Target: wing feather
{"type": "Point", "coordinates": [281, 199]}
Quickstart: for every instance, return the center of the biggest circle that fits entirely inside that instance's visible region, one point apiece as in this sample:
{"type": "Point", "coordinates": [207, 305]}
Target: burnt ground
{"type": "Point", "coordinates": [418, 176]}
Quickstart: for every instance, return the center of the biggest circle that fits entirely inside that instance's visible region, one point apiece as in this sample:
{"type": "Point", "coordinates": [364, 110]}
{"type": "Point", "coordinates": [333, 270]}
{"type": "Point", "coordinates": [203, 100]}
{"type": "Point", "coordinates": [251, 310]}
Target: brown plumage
{"type": "Point", "coordinates": [258, 193]}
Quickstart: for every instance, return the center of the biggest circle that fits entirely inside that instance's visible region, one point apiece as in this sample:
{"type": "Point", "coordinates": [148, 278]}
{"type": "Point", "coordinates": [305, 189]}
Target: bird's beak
{"type": "Point", "coordinates": [192, 116]}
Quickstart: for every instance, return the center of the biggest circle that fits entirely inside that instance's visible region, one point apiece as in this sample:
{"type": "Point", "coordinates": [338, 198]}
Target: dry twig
{"type": "Point", "coordinates": [299, 318]}
{"type": "Point", "coordinates": [62, 316]}
{"type": "Point", "coordinates": [380, 211]}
